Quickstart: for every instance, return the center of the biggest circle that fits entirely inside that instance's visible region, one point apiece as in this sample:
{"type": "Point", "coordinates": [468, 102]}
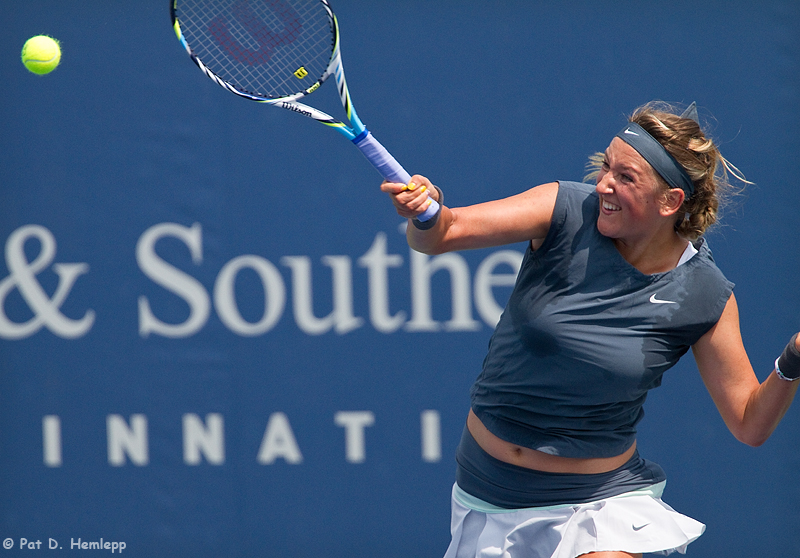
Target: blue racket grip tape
{"type": "Point", "coordinates": [389, 168]}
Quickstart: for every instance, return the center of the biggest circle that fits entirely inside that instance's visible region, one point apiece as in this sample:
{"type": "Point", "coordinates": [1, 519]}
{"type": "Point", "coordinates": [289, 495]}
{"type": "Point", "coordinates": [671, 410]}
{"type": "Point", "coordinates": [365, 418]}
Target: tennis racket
{"type": "Point", "coordinates": [277, 52]}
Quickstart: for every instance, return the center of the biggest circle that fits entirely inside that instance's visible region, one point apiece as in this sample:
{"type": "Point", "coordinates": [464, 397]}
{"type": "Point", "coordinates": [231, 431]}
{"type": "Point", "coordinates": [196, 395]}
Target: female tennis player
{"type": "Point", "coordinates": [616, 285]}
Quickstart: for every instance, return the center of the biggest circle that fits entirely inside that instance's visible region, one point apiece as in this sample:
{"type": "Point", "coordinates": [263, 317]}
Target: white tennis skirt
{"type": "Point", "coordinates": [635, 522]}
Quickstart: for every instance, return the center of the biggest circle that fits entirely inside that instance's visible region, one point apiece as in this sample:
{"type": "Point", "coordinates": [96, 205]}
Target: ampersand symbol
{"type": "Point", "coordinates": [23, 277]}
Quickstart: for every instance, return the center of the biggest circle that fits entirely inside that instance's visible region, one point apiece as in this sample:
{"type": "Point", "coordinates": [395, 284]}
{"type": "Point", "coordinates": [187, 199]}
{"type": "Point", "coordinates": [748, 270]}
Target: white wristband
{"type": "Point", "coordinates": [790, 358]}
{"type": "Point", "coordinates": [780, 374]}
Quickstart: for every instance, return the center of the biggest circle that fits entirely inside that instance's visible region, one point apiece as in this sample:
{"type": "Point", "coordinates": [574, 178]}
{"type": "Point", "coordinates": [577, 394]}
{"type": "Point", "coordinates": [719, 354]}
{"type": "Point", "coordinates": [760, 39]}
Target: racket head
{"type": "Point", "coordinates": [262, 50]}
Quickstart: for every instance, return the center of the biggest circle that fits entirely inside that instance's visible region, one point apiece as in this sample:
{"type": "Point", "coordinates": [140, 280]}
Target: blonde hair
{"type": "Point", "coordinates": [697, 154]}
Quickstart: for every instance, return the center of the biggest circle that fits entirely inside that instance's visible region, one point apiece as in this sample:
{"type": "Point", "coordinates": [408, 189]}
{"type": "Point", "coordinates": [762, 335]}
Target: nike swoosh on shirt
{"type": "Point", "coordinates": [654, 300]}
{"type": "Point", "coordinates": [640, 527]}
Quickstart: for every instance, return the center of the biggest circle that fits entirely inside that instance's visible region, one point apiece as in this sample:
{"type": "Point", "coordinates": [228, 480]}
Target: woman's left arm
{"type": "Point", "coordinates": [750, 409]}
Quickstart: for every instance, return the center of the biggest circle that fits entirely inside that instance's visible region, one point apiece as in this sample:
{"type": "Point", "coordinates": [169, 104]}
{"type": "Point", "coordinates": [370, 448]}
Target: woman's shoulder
{"type": "Point", "coordinates": [578, 201]}
{"type": "Point", "coordinates": [703, 291]}
{"type": "Point", "coordinates": [575, 212]}
{"type": "Point", "coordinates": [577, 205]}
{"type": "Point", "coordinates": [705, 259]}
{"type": "Point", "coordinates": [709, 288]}
{"type": "Point", "coordinates": [576, 189]}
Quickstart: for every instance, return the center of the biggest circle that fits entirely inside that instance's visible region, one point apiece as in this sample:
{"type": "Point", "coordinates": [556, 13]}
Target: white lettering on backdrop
{"type": "Point", "coordinates": [376, 260]}
{"type": "Point", "coordinates": [204, 439]}
{"type": "Point", "coordinates": [22, 277]}
{"type": "Point", "coordinates": [466, 292]}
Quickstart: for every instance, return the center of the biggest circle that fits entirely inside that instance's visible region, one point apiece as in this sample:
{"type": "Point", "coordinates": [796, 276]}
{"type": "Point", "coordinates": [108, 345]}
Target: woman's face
{"type": "Point", "coordinates": [630, 197]}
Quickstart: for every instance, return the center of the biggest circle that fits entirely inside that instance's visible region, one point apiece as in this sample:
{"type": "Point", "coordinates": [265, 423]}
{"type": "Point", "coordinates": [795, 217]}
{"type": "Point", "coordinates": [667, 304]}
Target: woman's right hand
{"type": "Point", "coordinates": [413, 198]}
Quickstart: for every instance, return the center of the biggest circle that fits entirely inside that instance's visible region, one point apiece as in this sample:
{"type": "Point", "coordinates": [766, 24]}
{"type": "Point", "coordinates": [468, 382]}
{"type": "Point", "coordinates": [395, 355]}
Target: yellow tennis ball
{"type": "Point", "coordinates": [41, 54]}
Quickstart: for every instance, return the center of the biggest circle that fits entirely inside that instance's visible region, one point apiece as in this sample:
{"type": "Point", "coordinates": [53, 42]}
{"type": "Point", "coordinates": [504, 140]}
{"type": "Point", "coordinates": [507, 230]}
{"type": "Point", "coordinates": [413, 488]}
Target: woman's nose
{"type": "Point", "coordinates": [605, 184]}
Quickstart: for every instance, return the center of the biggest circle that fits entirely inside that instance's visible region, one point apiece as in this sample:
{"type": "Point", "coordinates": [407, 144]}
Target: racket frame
{"type": "Point", "coordinates": [357, 133]}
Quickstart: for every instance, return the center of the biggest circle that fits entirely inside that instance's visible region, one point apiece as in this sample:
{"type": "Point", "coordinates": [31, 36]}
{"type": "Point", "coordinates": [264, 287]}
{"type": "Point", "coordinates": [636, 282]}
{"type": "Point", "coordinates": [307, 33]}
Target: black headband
{"type": "Point", "coordinates": [659, 158]}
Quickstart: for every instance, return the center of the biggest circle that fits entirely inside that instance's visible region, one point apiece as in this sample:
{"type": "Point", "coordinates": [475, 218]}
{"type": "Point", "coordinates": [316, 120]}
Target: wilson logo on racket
{"type": "Point", "coordinates": [296, 108]}
{"type": "Point", "coordinates": [269, 40]}
{"type": "Point", "coordinates": [300, 73]}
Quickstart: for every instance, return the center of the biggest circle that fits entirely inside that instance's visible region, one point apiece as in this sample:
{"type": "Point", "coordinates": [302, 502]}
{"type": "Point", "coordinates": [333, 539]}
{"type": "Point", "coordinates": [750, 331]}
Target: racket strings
{"type": "Point", "coordinates": [265, 48]}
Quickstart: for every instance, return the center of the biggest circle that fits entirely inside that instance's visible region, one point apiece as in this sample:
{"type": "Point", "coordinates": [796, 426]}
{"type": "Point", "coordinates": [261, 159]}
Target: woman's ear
{"type": "Point", "coordinates": [672, 201]}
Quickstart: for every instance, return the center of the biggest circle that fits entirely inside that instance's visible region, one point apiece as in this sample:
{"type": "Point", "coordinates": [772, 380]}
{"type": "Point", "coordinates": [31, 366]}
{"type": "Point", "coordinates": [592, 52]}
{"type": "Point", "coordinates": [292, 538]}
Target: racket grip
{"type": "Point", "coordinates": [389, 168]}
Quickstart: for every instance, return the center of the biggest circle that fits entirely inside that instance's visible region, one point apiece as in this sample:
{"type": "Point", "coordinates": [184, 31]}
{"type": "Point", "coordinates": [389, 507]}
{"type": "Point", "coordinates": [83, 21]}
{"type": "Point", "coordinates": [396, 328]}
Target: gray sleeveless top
{"type": "Point", "coordinates": [585, 335]}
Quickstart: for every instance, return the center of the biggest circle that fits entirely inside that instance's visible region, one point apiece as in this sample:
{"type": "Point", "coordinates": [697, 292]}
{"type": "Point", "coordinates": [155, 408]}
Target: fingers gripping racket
{"type": "Point", "coordinates": [277, 52]}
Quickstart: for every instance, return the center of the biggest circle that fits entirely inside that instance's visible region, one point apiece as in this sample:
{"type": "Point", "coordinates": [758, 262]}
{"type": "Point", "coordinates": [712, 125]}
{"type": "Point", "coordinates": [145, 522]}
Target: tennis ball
{"type": "Point", "coordinates": [41, 54]}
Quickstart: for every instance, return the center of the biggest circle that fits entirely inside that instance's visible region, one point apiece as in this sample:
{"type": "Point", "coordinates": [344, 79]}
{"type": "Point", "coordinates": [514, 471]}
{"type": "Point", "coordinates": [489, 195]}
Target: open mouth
{"type": "Point", "coordinates": [610, 206]}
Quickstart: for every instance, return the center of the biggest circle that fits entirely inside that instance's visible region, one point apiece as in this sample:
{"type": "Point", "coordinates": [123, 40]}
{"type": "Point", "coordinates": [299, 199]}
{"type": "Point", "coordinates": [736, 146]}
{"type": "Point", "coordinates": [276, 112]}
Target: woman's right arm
{"type": "Point", "coordinates": [523, 217]}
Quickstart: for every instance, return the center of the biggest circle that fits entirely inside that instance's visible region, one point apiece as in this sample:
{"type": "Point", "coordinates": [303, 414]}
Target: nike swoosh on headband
{"type": "Point", "coordinates": [659, 158]}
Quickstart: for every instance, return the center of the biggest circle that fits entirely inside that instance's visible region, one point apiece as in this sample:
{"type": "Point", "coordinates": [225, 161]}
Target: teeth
{"type": "Point", "coordinates": [610, 206]}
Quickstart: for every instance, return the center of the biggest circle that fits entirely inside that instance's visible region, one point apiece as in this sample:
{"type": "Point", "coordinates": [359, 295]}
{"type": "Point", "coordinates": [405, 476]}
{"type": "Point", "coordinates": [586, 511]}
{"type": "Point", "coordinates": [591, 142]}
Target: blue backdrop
{"type": "Point", "coordinates": [214, 340]}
